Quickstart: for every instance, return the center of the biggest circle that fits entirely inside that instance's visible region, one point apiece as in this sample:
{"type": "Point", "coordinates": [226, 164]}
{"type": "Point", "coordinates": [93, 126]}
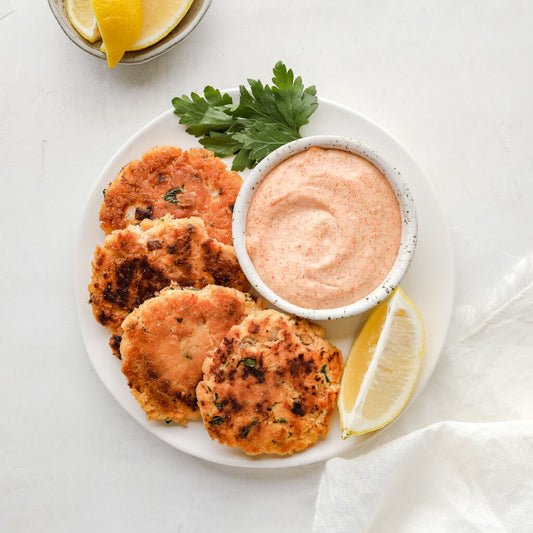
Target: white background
{"type": "Point", "coordinates": [451, 80]}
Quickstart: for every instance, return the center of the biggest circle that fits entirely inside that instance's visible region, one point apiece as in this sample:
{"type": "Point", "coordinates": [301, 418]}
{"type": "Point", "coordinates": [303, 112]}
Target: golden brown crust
{"type": "Point", "coordinates": [166, 340]}
{"type": "Point", "coordinates": [133, 264]}
{"type": "Point", "coordinates": [271, 385]}
{"type": "Point", "coordinates": [168, 180]}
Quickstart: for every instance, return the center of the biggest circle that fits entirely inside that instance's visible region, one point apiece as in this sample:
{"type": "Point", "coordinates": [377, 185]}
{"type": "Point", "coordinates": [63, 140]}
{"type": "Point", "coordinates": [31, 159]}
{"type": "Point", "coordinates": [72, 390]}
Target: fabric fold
{"type": "Point", "coordinates": [450, 476]}
{"type": "Point", "coordinates": [461, 458]}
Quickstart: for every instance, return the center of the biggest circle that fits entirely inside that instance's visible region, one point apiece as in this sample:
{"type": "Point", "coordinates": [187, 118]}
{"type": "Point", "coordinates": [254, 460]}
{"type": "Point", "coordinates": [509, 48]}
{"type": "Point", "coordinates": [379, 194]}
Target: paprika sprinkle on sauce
{"type": "Point", "coordinates": [323, 228]}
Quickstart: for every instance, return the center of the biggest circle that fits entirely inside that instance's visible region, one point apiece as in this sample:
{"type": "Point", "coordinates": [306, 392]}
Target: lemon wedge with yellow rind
{"type": "Point", "coordinates": [160, 17]}
{"type": "Point", "coordinates": [382, 367]}
{"type": "Point", "coordinates": [120, 23]}
{"type": "Point", "coordinates": [81, 16]}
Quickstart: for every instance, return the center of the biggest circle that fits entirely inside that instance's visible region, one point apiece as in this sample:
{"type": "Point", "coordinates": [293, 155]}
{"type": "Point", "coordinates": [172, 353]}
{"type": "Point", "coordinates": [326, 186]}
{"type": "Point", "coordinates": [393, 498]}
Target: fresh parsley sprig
{"type": "Point", "coordinates": [265, 118]}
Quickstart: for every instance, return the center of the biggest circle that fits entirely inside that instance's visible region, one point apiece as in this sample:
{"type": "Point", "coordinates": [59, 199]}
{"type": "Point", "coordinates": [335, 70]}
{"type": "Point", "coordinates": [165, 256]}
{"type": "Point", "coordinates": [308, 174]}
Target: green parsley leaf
{"type": "Point", "coordinates": [221, 144]}
{"type": "Point", "coordinates": [295, 102]}
{"type": "Point", "coordinates": [265, 118]}
{"type": "Point", "coordinates": [243, 160]}
{"type": "Point", "coordinates": [260, 139]}
{"type": "Point", "coordinates": [202, 115]}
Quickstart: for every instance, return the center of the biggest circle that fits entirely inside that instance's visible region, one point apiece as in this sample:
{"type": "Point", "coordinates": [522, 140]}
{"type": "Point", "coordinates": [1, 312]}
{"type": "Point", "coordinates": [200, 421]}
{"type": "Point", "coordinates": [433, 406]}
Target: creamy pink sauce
{"type": "Point", "coordinates": [323, 228]}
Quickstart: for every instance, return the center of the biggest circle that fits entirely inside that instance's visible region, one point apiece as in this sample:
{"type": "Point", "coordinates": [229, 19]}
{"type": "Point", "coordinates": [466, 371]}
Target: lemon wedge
{"type": "Point", "coordinates": [160, 17]}
{"type": "Point", "coordinates": [120, 23]}
{"type": "Point", "coordinates": [382, 367]}
{"type": "Point", "coordinates": [81, 15]}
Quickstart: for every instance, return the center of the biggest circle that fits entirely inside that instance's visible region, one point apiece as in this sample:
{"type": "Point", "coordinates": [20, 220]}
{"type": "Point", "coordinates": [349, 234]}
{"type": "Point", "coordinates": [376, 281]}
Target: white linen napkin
{"type": "Point", "coordinates": [462, 456]}
{"type": "Point", "coordinates": [449, 477]}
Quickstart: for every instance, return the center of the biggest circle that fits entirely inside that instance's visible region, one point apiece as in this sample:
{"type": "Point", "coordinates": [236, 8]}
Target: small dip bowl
{"type": "Point", "coordinates": [186, 25]}
{"type": "Point", "coordinates": [408, 231]}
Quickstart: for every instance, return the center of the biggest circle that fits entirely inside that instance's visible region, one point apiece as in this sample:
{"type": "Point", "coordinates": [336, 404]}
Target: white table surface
{"type": "Point", "coordinates": [453, 81]}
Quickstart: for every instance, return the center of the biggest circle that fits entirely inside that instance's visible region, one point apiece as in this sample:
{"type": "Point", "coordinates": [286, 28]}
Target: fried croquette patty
{"type": "Point", "coordinates": [166, 340]}
{"type": "Point", "coordinates": [271, 385]}
{"type": "Point", "coordinates": [168, 180]}
{"type": "Point", "coordinates": [135, 263]}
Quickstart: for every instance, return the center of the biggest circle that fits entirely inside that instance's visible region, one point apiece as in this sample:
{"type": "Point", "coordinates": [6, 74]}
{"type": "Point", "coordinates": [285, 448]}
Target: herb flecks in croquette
{"type": "Point", "coordinates": [130, 268]}
{"type": "Point", "coordinates": [172, 194]}
{"type": "Point", "coordinates": [181, 183]}
{"type": "Point", "coordinates": [248, 361]}
{"type": "Point", "coordinates": [218, 404]}
{"type": "Point", "coordinates": [164, 366]}
{"type": "Point", "coordinates": [284, 403]}
{"type": "Point", "coordinates": [246, 429]}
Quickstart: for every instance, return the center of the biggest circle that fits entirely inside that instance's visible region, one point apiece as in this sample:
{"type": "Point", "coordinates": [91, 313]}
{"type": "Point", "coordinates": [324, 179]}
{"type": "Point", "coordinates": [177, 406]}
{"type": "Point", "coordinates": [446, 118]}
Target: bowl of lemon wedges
{"type": "Point", "coordinates": [128, 31]}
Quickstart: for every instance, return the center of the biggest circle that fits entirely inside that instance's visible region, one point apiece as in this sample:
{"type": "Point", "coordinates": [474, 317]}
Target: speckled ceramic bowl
{"type": "Point", "coordinates": [407, 210]}
{"type": "Point", "coordinates": [186, 25]}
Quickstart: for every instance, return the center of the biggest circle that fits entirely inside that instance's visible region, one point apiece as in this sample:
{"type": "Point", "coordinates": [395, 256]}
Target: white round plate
{"type": "Point", "coordinates": [429, 283]}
